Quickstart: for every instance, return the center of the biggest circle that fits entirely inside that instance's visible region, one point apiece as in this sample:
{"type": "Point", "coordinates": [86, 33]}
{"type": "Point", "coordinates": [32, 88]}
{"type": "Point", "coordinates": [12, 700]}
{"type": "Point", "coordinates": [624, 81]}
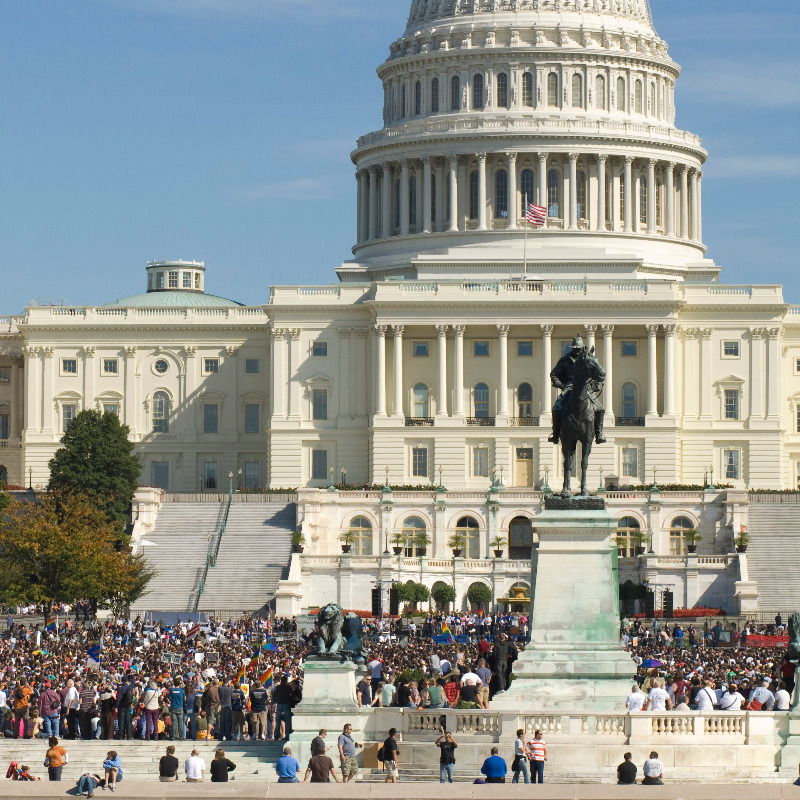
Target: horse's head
{"type": "Point", "coordinates": [587, 367]}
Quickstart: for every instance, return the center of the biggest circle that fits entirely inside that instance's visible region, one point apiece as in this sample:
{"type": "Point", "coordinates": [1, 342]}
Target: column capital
{"type": "Point", "coordinates": [344, 333]}
{"type": "Point", "coordinates": [590, 328]}
{"type": "Point", "coordinates": [756, 333]}
{"type": "Point", "coordinates": [503, 330]}
{"type": "Point", "coordinates": [459, 330]}
{"type": "Point", "coordinates": [426, 161]}
{"type": "Point", "coordinates": [18, 361]}
{"type": "Point", "coordinates": [651, 162]}
{"type": "Point", "coordinates": [453, 162]}
{"type": "Point", "coordinates": [190, 350]}
{"type": "Point", "coordinates": [699, 174]}
{"type": "Point", "coordinates": [652, 330]}
{"type": "Point", "coordinates": [705, 333]}
{"type": "Point", "coordinates": [602, 158]}
{"type": "Point", "coordinates": [442, 329]}
{"type": "Point", "coordinates": [671, 166]}
{"type": "Point", "coordinates": [131, 351]}
{"type": "Point", "coordinates": [684, 169]}
{"type": "Point", "coordinates": [380, 330]}
{"type": "Point", "coordinates": [573, 157]}
{"type": "Point", "coordinates": [543, 156]}
{"type": "Point", "coordinates": [89, 351]}
{"type": "Point", "coordinates": [397, 330]}
{"type": "Point", "coordinates": [361, 333]}
{"type": "Point", "coordinates": [512, 156]}
{"type": "Point", "coordinates": [669, 330]}
{"type": "Point", "coordinates": [773, 333]}
{"type": "Point", "coordinates": [48, 352]}
{"type": "Point", "coordinates": [294, 334]}
{"type": "Point", "coordinates": [404, 163]}
{"type": "Point", "coordinates": [629, 159]}
{"type": "Point", "coordinates": [547, 330]}
{"type": "Point", "coordinates": [608, 330]}
{"type": "Point", "coordinates": [481, 157]}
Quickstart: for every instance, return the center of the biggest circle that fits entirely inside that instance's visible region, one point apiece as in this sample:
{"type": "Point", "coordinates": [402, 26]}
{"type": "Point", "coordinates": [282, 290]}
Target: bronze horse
{"type": "Point", "coordinates": [577, 420]}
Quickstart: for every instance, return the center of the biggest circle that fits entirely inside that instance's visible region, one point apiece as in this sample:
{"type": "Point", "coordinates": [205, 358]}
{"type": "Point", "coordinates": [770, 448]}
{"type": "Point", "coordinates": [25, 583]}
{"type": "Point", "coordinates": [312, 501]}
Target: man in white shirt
{"type": "Point", "coordinates": [763, 695]}
{"type": "Point", "coordinates": [782, 698]}
{"type": "Point", "coordinates": [653, 771]}
{"type": "Point", "coordinates": [444, 665]}
{"type": "Point", "coordinates": [658, 699]}
{"type": "Point", "coordinates": [635, 700]}
{"type": "Point", "coordinates": [732, 700]}
{"type": "Point", "coordinates": [471, 677]}
{"type": "Point", "coordinates": [375, 668]}
{"type": "Point", "coordinates": [706, 697]}
{"type": "Point", "coordinates": [195, 768]}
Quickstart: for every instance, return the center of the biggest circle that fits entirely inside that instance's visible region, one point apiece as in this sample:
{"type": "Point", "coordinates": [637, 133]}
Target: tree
{"type": "Point", "coordinates": [63, 548]}
{"type": "Point", "coordinates": [479, 594]}
{"type": "Point", "coordinates": [443, 594]}
{"type": "Point", "coordinates": [413, 593]}
{"type": "Point", "coordinates": [4, 501]}
{"type": "Point", "coordinates": [97, 460]}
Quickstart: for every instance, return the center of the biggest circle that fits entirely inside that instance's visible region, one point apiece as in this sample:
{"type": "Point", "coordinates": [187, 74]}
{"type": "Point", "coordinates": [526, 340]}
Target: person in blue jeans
{"type": "Point", "coordinates": [113, 769]}
{"type": "Point", "coordinates": [520, 759]}
{"type": "Point", "coordinates": [190, 712]}
{"type": "Point", "coordinates": [88, 783]}
{"type": "Point", "coordinates": [176, 700]}
{"type": "Point", "coordinates": [287, 767]}
{"type": "Point", "coordinates": [447, 756]}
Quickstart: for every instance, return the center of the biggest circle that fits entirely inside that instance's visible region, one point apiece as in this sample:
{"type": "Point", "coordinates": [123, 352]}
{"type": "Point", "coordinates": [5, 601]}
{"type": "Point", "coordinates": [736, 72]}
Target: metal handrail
{"type": "Point", "coordinates": [213, 544]}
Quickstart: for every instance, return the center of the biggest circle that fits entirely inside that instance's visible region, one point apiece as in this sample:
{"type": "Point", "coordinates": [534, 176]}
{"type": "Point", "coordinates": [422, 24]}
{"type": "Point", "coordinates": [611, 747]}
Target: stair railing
{"type": "Point", "coordinates": [212, 551]}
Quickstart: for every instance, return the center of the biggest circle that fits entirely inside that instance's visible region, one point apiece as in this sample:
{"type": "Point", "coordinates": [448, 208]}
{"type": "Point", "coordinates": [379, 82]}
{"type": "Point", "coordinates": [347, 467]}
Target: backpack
{"type": "Point", "coordinates": [380, 753]}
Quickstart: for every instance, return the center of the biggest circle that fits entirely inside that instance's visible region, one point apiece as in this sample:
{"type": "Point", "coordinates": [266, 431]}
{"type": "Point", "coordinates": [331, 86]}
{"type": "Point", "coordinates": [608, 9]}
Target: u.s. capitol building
{"type": "Point", "coordinates": [427, 363]}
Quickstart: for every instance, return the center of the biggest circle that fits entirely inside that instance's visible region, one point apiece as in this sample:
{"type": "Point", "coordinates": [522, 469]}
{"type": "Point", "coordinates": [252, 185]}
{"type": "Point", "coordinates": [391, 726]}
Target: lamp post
{"type": "Point", "coordinates": [441, 485]}
{"type": "Point", "coordinates": [330, 485]}
{"type": "Point", "coordinates": [30, 479]}
{"type": "Point", "coordinates": [239, 471]}
{"type": "Point", "coordinates": [344, 476]}
{"type": "Point", "coordinates": [386, 483]}
{"type": "Point", "coordinates": [230, 483]}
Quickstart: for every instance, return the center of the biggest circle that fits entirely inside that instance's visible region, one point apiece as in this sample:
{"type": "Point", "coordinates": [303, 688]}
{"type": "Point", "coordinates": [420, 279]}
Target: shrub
{"type": "Point", "coordinates": [479, 594]}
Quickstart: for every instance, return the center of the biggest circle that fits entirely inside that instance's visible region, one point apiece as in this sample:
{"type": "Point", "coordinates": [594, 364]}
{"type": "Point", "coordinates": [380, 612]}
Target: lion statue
{"type": "Point", "coordinates": [330, 621]}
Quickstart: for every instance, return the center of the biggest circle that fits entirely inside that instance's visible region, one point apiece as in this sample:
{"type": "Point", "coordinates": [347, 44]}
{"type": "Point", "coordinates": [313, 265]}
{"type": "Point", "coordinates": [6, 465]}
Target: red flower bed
{"type": "Point", "coordinates": [683, 613]}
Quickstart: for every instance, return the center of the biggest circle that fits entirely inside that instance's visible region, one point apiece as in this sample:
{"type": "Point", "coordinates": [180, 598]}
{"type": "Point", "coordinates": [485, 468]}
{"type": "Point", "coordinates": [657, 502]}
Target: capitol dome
{"type": "Point", "coordinates": [566, 104]}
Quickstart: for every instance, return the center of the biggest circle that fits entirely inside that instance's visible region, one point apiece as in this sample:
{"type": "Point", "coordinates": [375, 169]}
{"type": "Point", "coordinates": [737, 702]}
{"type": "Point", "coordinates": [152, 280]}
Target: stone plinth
{"type": "Point", "coordinates": [575, 660]}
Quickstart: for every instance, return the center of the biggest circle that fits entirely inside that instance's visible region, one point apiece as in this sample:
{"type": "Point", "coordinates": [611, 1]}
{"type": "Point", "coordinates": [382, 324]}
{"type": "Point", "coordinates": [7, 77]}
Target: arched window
{"type": "Point", "coordinates": [660, 203]}
{"type": "Point", "coordinates": [526, 189]}
{"type": "Point", "coordinates": [527, 89]}
{"type": "Point", "coordinates": [643, 200]}
{"type": "Point", "coordinates": [552, 89]}
{"type": "Point", "coordinates": [554, 194]}
{"type": "Point", "coordinates": [435, 96]}
{"type": "Point", "coordinates": [677, 535]}
{"type": "Point", "coordinates": [520, 538]}
{"type": "Point", "coordinates": [577, 91]}
{"type": "Point", "coordinates": [473, 194]}
{"type": "Point", "coordinates": [581, 193]}
{"type": "Point", "coordinates": [403, 101]}
{"type": "Point", "coordinates": [501, 194]}
{"type": "Point", "coordinates": [627, 529]}
{"type": "Point", "coordinates": [600, 92]}
{"type": "Point", "coordinates": [160, 412]}
{"type": "Point", "coordinates": [502, 90]}
{"type": "Point", "coordinates": [412, 532]}
{"type": "Point", "coordinates": [481, 400]}
{"type": "Point", "coordinates": [470, 530]}
{"type": "Point", "coordinates": [621, 94]}
{"type": "Point", "coordinates": [412, 201]}
{"type": "Point", "coordinates": [361, 529]}
{"type": "Point", "coordinates": [418, 98]}
{"type": "Point", "coordinates": [637, 97]}
{"type": "Point", "coordinates": [525, 401]}
{"type": "Point", "coordinates": [477, 91]}
{"type": "Point", "coordinates": [421, 401]}
{"type": "Point", "coordinates": [455, 93]}
{"type": "Point", "coordinates": [653, 111]}
{"type": "Point", "coordinates": [628, 400]}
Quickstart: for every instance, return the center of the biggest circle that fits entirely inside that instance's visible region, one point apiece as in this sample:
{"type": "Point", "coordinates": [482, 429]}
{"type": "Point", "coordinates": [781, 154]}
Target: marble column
{"type": "Point", "coordinates": [363, 210]}
{"type": "Point", "coordinates": [669, 180]}
{"type": "Point", "coordinates": [699, 211]}
{"type": "Point", "coordinates": [441, 394]}
{"type": "Point", "coordinates": [684, 201]}
{"type": "Point", "coordinates": [380, 370]}
{"type": "Point", "coordinates": [669, 369]}
{"type": "Point", "coordinates": [608, 364]}
{"type": "Point", "coordinates": [542, 176]}
{"type": "Point", "coordinates": [441, 195]}
{"type": "Point", "coordinates": [758, 369]}
{"type": "Point", "coordinates": [344, 371]}
{"type": "Point", "coordinates": [405, 204]}
{"type": "Point", "coordinates": [482, 215]}
{"type": "Point", "coordinates": [773, 371]}
{"type": "Point", "coordinates": [590, 334]}
{"type": "Point", "coordinates": [427, 205]}
{"type": "Point", "coordinates": [547, 367]}
{"type": "Point", "coordinates": [652, 370]}
{"type": "Point", "coordinates": [373, 203]}
{"type": "Point", "coordinates": [706, 367]}
{"type": "Point", "coordinates": [292, 377]}
{"type": "Point", "coordinates": [458, 379]}
{"type": "Point", "coordinates": [420, 200]}
{"type": "Point", "coordinates": [387, 201]}
{"type": "Point", "coordinates": [628, 190]}
{"type": "Point", "coordinates": [693, 205]}
{"type": "Point", "coordinates": [601, 192]}
{"type": "Point", "coordinates": [34, 388]}
{"type": "Point", "coordinates": [453, 178]}
{"type": "Point", "coordinates": [397, 405]}
{"type": "Point", "coordinates": [513, 201]}
{"type": "Point", "coordinates": [16, 429]}
{"type": "Point", "coordinates": [573, 192]}
{"type": "Point", "coordinates": [651, 196]}
{"type": "Point", "coordinates": [48, 379]}
{"type": "Point", "coordinates": [502, 387]}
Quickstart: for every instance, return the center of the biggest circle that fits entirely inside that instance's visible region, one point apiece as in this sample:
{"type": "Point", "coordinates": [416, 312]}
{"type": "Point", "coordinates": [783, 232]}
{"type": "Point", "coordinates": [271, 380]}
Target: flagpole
{"type": "Point", "coordinates": [525, 246]}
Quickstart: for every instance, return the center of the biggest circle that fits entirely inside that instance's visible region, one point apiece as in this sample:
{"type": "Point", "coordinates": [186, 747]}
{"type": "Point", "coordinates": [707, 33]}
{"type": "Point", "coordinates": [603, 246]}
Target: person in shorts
{"type": "Point", "coordinates": [390, 752]}
{"type": "Point", "coordinates": [347, 754]}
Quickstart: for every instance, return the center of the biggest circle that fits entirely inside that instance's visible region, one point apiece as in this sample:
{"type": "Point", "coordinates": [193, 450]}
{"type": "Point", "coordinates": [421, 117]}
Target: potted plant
{"type": "Point", "coordinates": [498, 544]}
{"type": "Point", "coordinates": [456, 542]}
{"type": "Point", "coordinates": [347, 538]}
{"type": "Point", "coordinates": [398, 542]}
{"type": "Point", "coordinates": [421, 541]}
{"type": "Point", "coordinates": [742, 539]}
{"type": "Point", "coordinates": [298, 541]}
{"type": "Point", "coordinates": [692, 537]}
{"type": "Point", "coordinates": [641, 539]}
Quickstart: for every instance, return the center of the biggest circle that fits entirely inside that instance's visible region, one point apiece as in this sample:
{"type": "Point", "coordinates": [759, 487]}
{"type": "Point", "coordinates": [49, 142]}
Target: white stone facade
{"type": "Point", "coordinates": [428, 362]}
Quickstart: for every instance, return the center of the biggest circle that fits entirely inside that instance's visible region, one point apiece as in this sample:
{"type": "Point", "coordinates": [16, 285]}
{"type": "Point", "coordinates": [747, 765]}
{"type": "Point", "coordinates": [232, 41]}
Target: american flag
{"type": "Point", "coordinates": [193, 631]}
{"type": "Point", "coordinates": [537, 215]}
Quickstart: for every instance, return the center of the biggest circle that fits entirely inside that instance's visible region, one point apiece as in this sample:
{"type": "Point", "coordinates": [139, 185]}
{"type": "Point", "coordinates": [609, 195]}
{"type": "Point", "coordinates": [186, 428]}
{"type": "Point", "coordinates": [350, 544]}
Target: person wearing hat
{"type": "Point", "coordinates": [562, 377]}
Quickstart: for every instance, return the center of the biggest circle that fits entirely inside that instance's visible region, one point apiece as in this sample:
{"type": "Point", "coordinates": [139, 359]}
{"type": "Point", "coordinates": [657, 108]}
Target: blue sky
{"type": "Point", "coordinates": [221, 130]}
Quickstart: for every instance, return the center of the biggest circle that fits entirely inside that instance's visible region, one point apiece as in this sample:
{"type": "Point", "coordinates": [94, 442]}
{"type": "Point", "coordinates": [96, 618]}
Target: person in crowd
{"type": "Point", "coordinates": [177, 698]}
{"type": "Point", "coordinates": [347, 754]}
{"type": "Point", "coordinates": [168, 766]}
{"type": "Point", "coordinates": [447, 756]}
{"type": "Point", "coordinates": [731, 700]}
{"type": "Point", "coordinates": [519, 765]}
{"type": "Point", "coordinates": [54, 759]}
{"type": "Point", "coordinates": [49, 710]}
{"type": "Point", "coordinates": [195, 768]}
{"type": "Point", "coordinates": [287, 767]}
{"type": "Point", "coordinates": [658, 698]}
{"type": "Point", "coordinates": [626, 771]}
{"type": "Point", "coordinates": [320, 769]}
{"type": "Point", "coordinates": [494, 768]}
{"type": "Point", "coordinates": [636, 699]}
{"type": "Point", "coordinates": [283, 711]}
{"type": "Point", "coordinates": [653, 771]}
{"type": "Point", "coordinates": [537, 753]}
{"type": "Point", "coordinates": [761, 698]}
{"type": "Point", "coordinates": [364, 692]}
{"type": "Point", "coordinates": [318, 744]}
{"type": "Point", "coordinates": [259, 714]}
{"type": "Point", "coordinates": [390, 756]}
{"type": "Point", "coordinates": [220, 767]}
{"type": "Point", "coordinates": [112, 767]}
{"type": "Point", "coordinates": [88, 782]}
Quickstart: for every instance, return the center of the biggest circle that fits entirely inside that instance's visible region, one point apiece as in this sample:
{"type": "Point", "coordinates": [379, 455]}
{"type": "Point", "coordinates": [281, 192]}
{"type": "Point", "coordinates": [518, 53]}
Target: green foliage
{"type": "Point", "coordinates": [413, 593]}
{"type": "Point", "coordinates": [5, 501]}
{"type": "Point", "coordinates": [498, 543]}
{"type": "Point", "coordinates": [676, 487]}
{"type": "Point", "coordinates": [443, 593]}
{"type": "Point", "coordinates": [742, 539]}
{"type": "Point", "coordinates": [298, 538]}
{"type": "Point", "coordinates": [479, 594]}
{"type": "Point", "coordinates": [97, 460]}
{"type": "Point", "coordinates": [411, 675]}
{"type": "Point", "coordinates": [456, 541]}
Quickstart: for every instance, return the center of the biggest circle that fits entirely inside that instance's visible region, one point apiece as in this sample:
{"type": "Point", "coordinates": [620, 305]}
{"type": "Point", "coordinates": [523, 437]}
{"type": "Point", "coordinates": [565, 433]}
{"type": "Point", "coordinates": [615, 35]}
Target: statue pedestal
{"type": "Point", "coordinates": [575, 661]}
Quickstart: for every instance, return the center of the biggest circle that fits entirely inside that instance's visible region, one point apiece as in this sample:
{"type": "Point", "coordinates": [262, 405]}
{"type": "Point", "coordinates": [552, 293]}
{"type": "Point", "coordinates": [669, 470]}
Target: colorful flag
{"type": "Point", "coordinates": [193, 631]}
{"type": "Point", "coordinates": [266, 678]}
{"type": "Point", "coordinates": [446, 631]}
{"type": "Point", "coordinates": [273, 648]}
{"type": "Point", "coordinates": [481, 612]}
{"type": "Point", "coordinates": [51, 625]}
{"type": "Point", "coordinates": [245, 669]}
{"type": "Point", "coordinates": [536, 215]}
{"type": "Point", "coordinates": [94, 652]}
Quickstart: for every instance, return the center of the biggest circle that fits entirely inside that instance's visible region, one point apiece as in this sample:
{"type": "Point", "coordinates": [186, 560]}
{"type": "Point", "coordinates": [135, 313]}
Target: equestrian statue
{"type": "Point", "coordinates": [577, 413]}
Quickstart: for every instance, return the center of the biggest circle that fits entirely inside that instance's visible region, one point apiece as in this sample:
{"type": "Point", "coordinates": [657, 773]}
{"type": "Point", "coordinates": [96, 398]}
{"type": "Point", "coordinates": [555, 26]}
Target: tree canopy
{"type": "Point", "coordinates": [97, 460]}
{"type": "Point", "coordinates": [479, 594]}
{"type": "Point", "coordinates": [413, 593]}
{"type": "Point", "coordinates": [63, 548]}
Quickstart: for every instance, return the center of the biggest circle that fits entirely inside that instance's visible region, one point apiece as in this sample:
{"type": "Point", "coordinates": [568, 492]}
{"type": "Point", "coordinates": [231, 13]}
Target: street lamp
{"type": "Point", "coordinates": [344, 476]}
{"type": "Point", "coordinates": [387, 476]}
{"type": "Point", "coordinates": [330, 485]}
{"type": "Point", "coordinates": [230, 483]}
{"type": "Point", "coordinates": [239, 471]}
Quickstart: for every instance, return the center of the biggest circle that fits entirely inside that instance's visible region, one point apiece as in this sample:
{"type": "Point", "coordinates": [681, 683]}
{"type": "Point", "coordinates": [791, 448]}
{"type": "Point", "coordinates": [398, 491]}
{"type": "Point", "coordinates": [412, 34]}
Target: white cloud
{"type": "Point", "coordinates": [744, 83]}
{"type": "Point", "coordinates": [777, 166]}
{"type": "Point", "coordinates": [293, 190]}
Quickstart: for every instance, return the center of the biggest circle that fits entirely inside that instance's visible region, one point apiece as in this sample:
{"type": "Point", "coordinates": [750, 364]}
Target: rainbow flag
{"type": "Point", "coordinates": [266, 678]}
{"type": "Point", "coordinates": [446, 630]}
{"type": "Point", "coordinates": [245, 669]}
{"type": "Point", "coordinates": [270, 646]}
{"type": "Point", "coordinates": [50, 626]}
{"type": "Point", "coordinates": [480, 612]}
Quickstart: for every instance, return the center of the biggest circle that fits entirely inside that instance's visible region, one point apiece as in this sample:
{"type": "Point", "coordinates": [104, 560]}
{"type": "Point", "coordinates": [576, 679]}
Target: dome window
{"type": "Point", "coordinates": [581, 194]}
{"type": "Point", "coordinates": [552, 89]}
{"type": "Point", "coordinates": [638, 97]}
{"type": "Point", "coordinates": [526, 188]}
{"type": "Point", "coordinates": [161, 366]}
{"type": "Point", "coordinates": [502, 90]}
{"type": "Point", "coordinates": [501, 194]}
{"type": "Point", "coordinates": [473, 194]}
{"type": "Point", "coordinates": [435, 96]}
{"type": "Point", "coordinates": [600, 92]}
{"type": "Point", "coordinates": [455, 93]}
{"type": "Point", "coordinates": [527, 90]}
{"type": "Point", "coordinates": [418, 98]}
{"type": "Point", "coordinates": [577, 91]}
{"type": "Point", "coordinates": [620, 94]}
{"type": "Point", "coordinates": [553, 194]}
{"type": "Point", "coordinates": [477, 92]}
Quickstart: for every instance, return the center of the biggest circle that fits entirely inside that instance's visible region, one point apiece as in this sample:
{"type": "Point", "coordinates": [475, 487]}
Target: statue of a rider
{"type": "Point", "coordinates": [562, 377]}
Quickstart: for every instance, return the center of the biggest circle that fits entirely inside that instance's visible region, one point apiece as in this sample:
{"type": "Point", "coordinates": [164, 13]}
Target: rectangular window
{"type": "Point", "coordinates": [187, 280]}
{"type": "Point", "coordinates": [5, 376]}
{"type": "Point", "coordinates": [630, 349]}
{"type": "Point", "coordinates": [419, 462]}
{"type": "Point", "coordinates": [69, 366]}
{"type": "Point", "coordinates": [319, 349]}
{"type": "Point", "coordinates": [211, 418]}
{"type": "Point", "coordinates": [5, 426]}
{"type": "Point", "coordinates": [111, 408]}
{"type": "Point", "coordinates": [210, 475]}
{"type": "Point", "coordinates": [730, 349]}
{"type": "Point", "coordinates": [252, 474]}
{"type": "Point", "coordinates": [197, 280]}
{"type": "Point", "coordinates": [797, 419]}
{"type": "Point", "coordinates": [210, 366]}
{"type": "Point", "coordinates": [420, 350]}
{"type": "Point", "coordinates": [160, 280]}
{"type": "Point", "coordinates": [480, 462]}
{"type": "Point", "coordinates": [730, 464]}
{"type": "Point", "coordinates": [319, 465]}
{"type": "Point", "coordinates": [630, 462]}
{"type": "Point", "coordinates": [797, 366]}
{"type": "Point", "coordinates": [110, 366]}
{"type": "Point", "coordinates": [173, 280]}
{"type": "Point", "coordinates": [731, 404]}
{"type": "Point", "coordinates": [524, 348]}
{"type": "Point", "coordinates": [481, 348]}
{"type": "Point", "coordinates": [159, 474]}
{"type": "Point", "coordinates": [252, 366]}
{"type": "Point", "coordinates": [252, 418]}
{"type": "Point", "coordinates": [319, 404]}
{"type": "Point", "coordinates": [68, 414]}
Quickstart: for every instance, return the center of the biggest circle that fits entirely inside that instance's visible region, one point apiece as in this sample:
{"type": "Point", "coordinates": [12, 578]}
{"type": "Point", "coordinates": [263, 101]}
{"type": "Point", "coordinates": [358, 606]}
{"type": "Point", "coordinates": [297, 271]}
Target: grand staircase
{"type": "Point", "coordinates": [253, 556]}
{"type": "Point", "coordinates": [773, 557]}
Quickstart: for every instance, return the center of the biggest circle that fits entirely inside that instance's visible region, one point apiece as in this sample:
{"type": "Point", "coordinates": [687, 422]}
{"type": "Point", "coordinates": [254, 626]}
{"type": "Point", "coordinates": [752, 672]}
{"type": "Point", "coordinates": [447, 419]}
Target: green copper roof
{"type": "Point", "coordinates": [175, 299]}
